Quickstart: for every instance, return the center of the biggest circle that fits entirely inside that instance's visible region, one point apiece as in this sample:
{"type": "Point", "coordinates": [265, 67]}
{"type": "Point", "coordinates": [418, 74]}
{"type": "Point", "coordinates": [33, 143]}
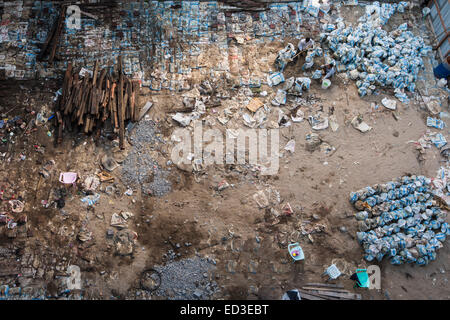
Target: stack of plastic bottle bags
{"type": "Point", "coordinates": [373, 57]}
{"type": "Point", "coordinates": [400, 220]}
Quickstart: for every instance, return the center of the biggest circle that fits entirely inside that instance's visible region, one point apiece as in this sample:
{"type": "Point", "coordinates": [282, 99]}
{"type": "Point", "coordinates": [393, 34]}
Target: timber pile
{"type": "Point", "coordinates": [87, 103]}
{"type": "Point", "coordinates": [321, 291]}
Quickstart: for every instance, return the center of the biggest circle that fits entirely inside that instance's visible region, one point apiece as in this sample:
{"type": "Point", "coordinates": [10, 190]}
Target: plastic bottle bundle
{"type": "Point", "coordinates": [400, 221]}
{"type": "Point", "coordinates": [316, 75]}
{"type": "Point", "coordinates": [398, 52]}
{"type": "Point", "coordinates": [303, 83]}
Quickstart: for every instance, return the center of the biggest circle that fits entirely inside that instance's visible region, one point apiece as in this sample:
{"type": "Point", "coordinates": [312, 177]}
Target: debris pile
{"type": "Point", "coordinates": [401, 220]}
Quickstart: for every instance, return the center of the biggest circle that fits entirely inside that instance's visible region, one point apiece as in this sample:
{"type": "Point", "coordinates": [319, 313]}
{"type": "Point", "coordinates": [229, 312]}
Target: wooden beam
{"type": "Point", "coordinates": [121, 106]}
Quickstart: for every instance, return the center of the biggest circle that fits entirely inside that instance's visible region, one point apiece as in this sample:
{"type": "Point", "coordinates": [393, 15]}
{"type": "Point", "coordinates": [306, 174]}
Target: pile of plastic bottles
{"type": "Point", "coordinates": [373, 57]}
{"type": "Point", "coordinates": [400, 220]}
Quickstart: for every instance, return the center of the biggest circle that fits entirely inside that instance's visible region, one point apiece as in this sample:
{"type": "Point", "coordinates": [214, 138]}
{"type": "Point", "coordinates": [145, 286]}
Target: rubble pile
{"type": "Point", "coordinates": [373, 57]}
{"type": "Point", "coordinates": [401, 220]}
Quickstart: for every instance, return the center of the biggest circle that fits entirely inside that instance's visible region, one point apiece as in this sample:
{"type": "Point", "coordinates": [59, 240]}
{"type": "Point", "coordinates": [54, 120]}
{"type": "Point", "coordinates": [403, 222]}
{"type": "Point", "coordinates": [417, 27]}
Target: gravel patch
{"type": "Point", "coordinates": [139, 168]}
{"type": "Point", "coordinates": [187, 279]}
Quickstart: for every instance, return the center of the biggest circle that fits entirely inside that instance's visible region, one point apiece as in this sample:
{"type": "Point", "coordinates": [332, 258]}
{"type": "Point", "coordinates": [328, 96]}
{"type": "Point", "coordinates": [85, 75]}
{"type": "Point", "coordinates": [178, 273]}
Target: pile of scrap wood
{"type": "Point", "coordinates": [87, 102]}
{"type": "Point", "coordinates": [322, 291]}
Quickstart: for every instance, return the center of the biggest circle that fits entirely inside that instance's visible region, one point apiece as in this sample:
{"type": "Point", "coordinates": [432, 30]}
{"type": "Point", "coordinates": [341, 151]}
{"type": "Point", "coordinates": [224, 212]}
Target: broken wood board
{"type": "Point", "coordinates": [254, 105]}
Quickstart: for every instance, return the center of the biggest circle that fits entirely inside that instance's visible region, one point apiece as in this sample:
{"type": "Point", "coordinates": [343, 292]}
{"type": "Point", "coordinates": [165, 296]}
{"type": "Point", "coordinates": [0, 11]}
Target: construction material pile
{"type": "Point", "coordinates": [401, 220]}
{"type": "Point", "coordinates": [89, 99]}
{"type": "Point", "coordinates": [373, 57]}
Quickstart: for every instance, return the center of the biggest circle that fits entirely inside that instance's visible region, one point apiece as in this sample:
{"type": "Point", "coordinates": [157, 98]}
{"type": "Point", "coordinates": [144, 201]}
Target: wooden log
{"type": "Point", "coordinates": [125, 99]}
{"type": "Point", "coordinates": [64, 93]}
{"type": "Point", "coordinates": [91, 105]}
{"type": "Point", "coordinates": [135, 108]}
{"type": "Point", "coordinates": [87, 123]}
{"type": "Point", "coordinates": [121, 106]}
{"type": "Point", "coordinates": [129, 92]}
{"type": "Point", "coordinates": [73, 95]}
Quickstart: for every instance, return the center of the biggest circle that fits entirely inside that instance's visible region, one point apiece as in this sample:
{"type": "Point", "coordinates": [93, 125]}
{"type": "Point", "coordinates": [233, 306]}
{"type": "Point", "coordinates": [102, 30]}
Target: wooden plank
{"type": "Point", "coordinates": [325, 285]}
{"type": "Point", "coordinates": [345, 295]}
{"type": "Point", "coordinates": [307, 293]}
{"type": "Point", "coordinates": [308, 296]}
{"type": "Point", "coordinates": [324, 289]}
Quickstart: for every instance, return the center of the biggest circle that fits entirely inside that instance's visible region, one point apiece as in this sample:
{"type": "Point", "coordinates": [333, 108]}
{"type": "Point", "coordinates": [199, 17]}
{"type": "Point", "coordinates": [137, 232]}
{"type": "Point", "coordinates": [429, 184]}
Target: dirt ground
{"type": "Point", "coordinates": [250, 249]}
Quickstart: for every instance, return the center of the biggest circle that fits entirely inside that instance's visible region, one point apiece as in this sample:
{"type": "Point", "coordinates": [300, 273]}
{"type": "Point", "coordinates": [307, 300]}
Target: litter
{"type": "Point", "coordinates": [326, 84]}
{"type": "Point", "coordinates": [68, 177]}
{"type": "Point", "coordinates": [275, 79]}
{"type": "Point", "coordinates": [332, 272]}
{"type": "Point", "coordinates": [280, 98]}
{"type": "Point", "coordinates": [360, 125]}
{"type": "Point", "coordinates": [435, 123]}
{"type": "Point", "coordinates": [390, 104]}
{"type": "Point", "coordinates": [254, 105]}
{"type": "Point", "coordinates": [318, 121]}
{"type": "Point", "coordinates": [16, 206]}
{"type": "Point", "coordinates": [261, 199]}
{"type": "Point", "coordinates": [91, 199]}
{"type": "Point", "coordinates": [290, 146]}
{"type": "Point", "coordinates": [296, 251]}
{"type": "Point", "coordinates": [118, 221]}
{"type": "Point", "coordinates": [439, 140]}
{"type": "Point", "coordinates": [183, 119]}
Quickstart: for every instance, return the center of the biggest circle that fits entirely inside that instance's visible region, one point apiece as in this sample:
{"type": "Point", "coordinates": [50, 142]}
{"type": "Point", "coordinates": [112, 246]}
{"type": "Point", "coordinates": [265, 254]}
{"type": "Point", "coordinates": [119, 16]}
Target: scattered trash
{"type": "Point", "coordinates": [290, 146]}
{"type": "Point", "coordinates": [254, 105]}
{"type": "Point", "coordinates": [223, 185]}
{"type": "Point", "coordinates": [280, 98]}
{"type": "Point", "coordinates": [91, 199]}
{"type": "Point", "coordinates": [318, 121]}
{"type": "Point", "coordinates": [275, 79]}
{"type": "Point", "coordinates": [118, 221]}
{"type": "Point", "coordinates": [292, 295]}
{"type": "Point", "coordinates": [332, 272]}
{"type": "Point", "coordinates": [145, 109]}
{"type": "Point", "coordinates": [183, 119]}
{"type": "Point", "coordinates": [296, 251]}
{"type": "Point", "coordinates": [261, 199]}
{"type": "Point", "coordinates": [333, 123]}
{"type": "Point", "coordinates": [313, 141]}
{"type": "Point", "coordinates": [360, 125]}
{"type": "Point", "coordinates": [390, 104]}
{"type": "Point", "coordinates": [109, 163]}
{"type": "Point", "coordinates": [16, 206]}
{"type": "Point", "coordinates": [105, 177]}
{"type": "Point", "coordinates": [326, 84]}
{"type": "Point", "coordinates": [299, 116]}
{"type": "Point", "coordinates": [435, 123]}
{"type": "Point", "coordinates": [287, 209]}
{"type": "Point", "coordinates": [91, 183]}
